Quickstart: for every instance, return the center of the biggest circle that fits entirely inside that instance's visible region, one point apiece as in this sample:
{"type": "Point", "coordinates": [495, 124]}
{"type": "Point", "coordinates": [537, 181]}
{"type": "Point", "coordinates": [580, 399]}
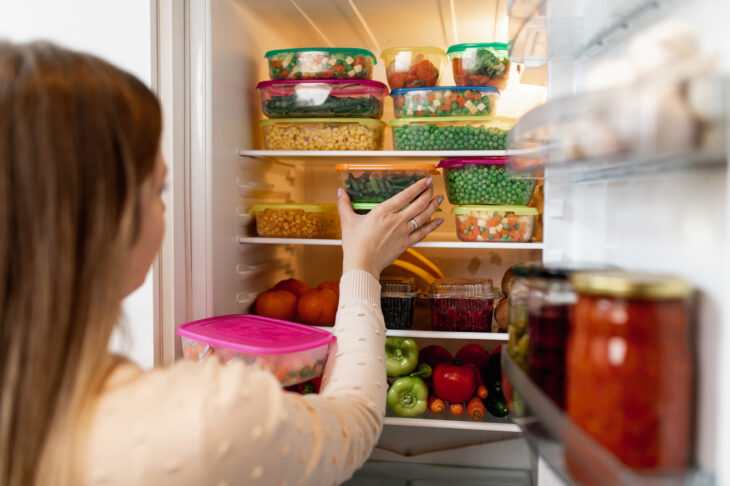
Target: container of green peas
{"type": "Point", "coordinates": [451, 133]}
{"type": "Point", "coordinates": [484, 180]}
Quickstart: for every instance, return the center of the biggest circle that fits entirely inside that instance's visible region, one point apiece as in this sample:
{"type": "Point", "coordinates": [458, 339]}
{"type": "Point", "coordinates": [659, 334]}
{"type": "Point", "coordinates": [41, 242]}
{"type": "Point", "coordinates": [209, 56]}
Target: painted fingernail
{"type": "Point", "coordinates": [339, 192]}
{"type": "Point", "coordinates": [429, 181]}
{"type": "Point", "coordinates": [440, 198]}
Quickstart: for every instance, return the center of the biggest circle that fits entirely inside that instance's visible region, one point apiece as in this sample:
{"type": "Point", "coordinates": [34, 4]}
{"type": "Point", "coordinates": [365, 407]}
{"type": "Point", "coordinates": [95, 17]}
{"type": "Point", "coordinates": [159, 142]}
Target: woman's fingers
{"type": "Point", "coordinates": [422, 232]}
{"type": "Point", "coordinates": [403, 198]}
{"type": "Point", "coordinates": [344, 206]}
{"type": "Point", "coordinates": [421, 204]}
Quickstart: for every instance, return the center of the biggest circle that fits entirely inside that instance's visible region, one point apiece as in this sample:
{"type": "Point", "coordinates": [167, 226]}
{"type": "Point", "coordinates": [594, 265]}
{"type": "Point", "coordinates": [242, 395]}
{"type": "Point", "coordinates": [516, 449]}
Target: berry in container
{"type": "Point", "coordinates": [506, 224]}
{"type": "Point", "coordinates": [451, 133]}
{"type": "Point", "coordinates": [413, 67]}
{"type": "Point", "coordinates": [375, 182]}
{"type": "Point", "coordinates": [321, 63]}
{"type": "Point", "coordinates": [484, 180]}
{"type": "Point", "coordinates": [294, 353]}
{"type": "Point", "coordinates": [322, 133]}
{"type": "Point", "coordinates": [325, 98]}
{"type": "Point", "coordinates": [445, 101]}
{"type": "Point", "coordinates": [290, 220]}
{"type": "Point", "coordinates": [397, 300]}
{"type": "Point", "coordinates": [462, 304]}
{"type": "Point", "coordinates": [482, 64]}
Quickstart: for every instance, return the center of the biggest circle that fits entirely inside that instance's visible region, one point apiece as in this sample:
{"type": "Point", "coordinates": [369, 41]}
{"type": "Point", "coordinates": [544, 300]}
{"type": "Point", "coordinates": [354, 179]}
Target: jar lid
{"type": "Point", "coordinates": [498, 46]}
{"type": "Point", "coordinates": [405, 91]}
{"type": "Point", "coordinates": [458, 162]}
{"type": "Point", "coordinates": [522, 270]}
{"type": "Point", "coordinates": [361, 121]}
{"type": "Point", "coordinates": [332, 50]}
{"type": "Point", "coordinates": [630, 285]}
{"type": "Point", "coordinates": [363, 83]}
{"type": "Point", "coordinates": [369, 166]}
{"type": "Point", "coordinates": [465, 288]}
{"type": "Point", "coordinates": [394, 286]}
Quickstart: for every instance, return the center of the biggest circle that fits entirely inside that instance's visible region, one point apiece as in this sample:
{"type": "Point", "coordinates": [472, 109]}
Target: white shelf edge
{"type": "Point", "coordinates": [423, 244]}
{"type": "Point", "coordinates": [434, 154]}
{"type": "Point", "coordinates": [416, 333]}
{"type": "Point", "coordinates": [452, 424]}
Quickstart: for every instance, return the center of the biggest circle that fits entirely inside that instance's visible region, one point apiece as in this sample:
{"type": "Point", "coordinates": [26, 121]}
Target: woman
{"type": "Point", "coordinates": [81, 220]}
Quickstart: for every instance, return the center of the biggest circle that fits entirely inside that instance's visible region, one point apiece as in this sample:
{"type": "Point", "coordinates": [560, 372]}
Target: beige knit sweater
{"type": "Point", "coordinates": [213, 424]}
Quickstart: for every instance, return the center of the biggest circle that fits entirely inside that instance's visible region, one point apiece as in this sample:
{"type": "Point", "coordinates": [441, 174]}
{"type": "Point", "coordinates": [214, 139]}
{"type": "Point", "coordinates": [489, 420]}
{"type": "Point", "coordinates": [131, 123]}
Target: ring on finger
{"type": "Point", "coordinates": [413, 222]}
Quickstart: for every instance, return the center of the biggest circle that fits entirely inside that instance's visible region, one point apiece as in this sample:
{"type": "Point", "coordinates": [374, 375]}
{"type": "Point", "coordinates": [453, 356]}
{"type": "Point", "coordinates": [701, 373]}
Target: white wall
{"type": "Point", "coordinates": [118, 31]}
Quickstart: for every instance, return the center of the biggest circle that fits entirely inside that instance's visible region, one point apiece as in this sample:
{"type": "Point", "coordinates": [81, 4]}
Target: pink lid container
{"type": "Point", "coordinates": [293, 352]}
{"type": "Point", "coordinates": [457, 162]}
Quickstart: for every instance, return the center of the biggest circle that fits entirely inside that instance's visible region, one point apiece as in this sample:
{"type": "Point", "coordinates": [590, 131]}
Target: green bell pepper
{"type": "Point", "coordinates": [401, 356]}
{"type": "Point", "coordinates": [408, 396]}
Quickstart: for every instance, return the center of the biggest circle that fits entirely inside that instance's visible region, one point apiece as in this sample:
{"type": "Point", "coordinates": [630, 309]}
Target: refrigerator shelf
{"type": "Point", "coordinates": [364, 155]}
{"type": "Point", "coordinates": [466, 336]}
{"type": "Point", "coordinates": [423, 244]}
{"type": "Point", "coordinates": [551, 434]}
{"type": "Point", "coordinates": [430, 420]}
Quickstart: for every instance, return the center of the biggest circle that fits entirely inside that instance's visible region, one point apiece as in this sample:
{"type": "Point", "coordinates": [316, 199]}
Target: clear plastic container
{"type": "Point", "coordinates": [452, 133]}
{"type": "Point", "coordinates": [413, 67]}
{"type": "Point", "coordinates": [322, 134]}
{"type": "Point", "coordinates": [289, 220]}
{"type": "Point", "coordinates": [445, 101]}
{"type": "Point", "coordinates": [397, 299]}
{"type": "Point", "coordinates": [375, 182]}
{"type": "Point", "coordinates": [474, 180]}
{"type": "Point", "coordinates": [462, 304]}
{"type": "Point", "coordinates": [519, 315]}
{"type": "Point", "coordinates": [292, 352]}
{"type": "Point", "coordinates": [321, 63]}
{"type": "Point", "coordinates": [363, 208]}
{"type": "Point", "coordinates": [506, 224]}
{"type": "Point", "coordinates": [483, 64]}
{"type": "Point", "coordinates": [325, 98]}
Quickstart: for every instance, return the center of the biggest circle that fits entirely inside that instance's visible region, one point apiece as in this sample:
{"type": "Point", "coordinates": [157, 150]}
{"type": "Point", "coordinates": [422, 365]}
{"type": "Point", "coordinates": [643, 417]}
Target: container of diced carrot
{"type": "Point", "coordinates": [445, 101]}
{"type": "Point", "coordinates": [506, 224]}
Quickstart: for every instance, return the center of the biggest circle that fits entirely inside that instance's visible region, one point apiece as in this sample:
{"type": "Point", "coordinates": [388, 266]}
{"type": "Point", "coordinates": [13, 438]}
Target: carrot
{"type": "Point", "coordinates": [514, 235]}
{"type": "Point", "coordinates": [436, 405]}
{"type": "Point", "coordinates": [475, 408]}
{"type": "Point", "coordinates": [460, 100]}
{"type": "Point", "coordinates": [482, 391]}
{"type": "Point", "coordinates": [456, 408]}
{"type": "Point", "coordinates": [420, 113]}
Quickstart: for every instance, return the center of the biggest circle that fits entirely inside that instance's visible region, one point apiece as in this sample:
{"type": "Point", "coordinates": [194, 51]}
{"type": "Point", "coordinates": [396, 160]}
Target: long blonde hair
{"type": "Point", "coordinates": [77, 138]}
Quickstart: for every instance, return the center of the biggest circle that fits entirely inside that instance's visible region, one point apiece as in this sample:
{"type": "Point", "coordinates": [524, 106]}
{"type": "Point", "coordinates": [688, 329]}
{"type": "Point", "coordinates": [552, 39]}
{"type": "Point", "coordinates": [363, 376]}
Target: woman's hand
{"type": "Point", "coordinates": [373, 241]}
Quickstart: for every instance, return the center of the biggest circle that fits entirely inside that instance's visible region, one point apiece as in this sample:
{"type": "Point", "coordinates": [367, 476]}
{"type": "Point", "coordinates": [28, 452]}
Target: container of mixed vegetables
{"type": "Point", "coordinates": [374, 183]}
{"type": "Point", "coordinates": [451, 133]}
{"type": "Point", "coordinates": [506, 224]}
{"type": "Point", "coordinates": [321, 63]}
{"type": "Point", "coordinates": [484, 180]}
{"type": "Point", "coordinates": [412, 67]}
{"type": "Point", "coordinates": [322, 98]}
{"type": "Point", "coordinates": [445, 101]}
{"type": "Point", "coordinates": [484, 64]}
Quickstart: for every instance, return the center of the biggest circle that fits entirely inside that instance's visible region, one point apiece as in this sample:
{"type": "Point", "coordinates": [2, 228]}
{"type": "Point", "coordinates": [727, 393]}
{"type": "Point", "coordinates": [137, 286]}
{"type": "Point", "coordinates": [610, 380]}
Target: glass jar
{"type": "Point", "coordinates": [519, 314]}
{"type": "Point", "coordinates": [630, 367]}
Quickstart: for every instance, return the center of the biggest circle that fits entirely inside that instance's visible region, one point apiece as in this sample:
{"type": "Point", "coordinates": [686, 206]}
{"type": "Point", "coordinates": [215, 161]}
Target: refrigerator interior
{"type": "Point", "coordinates": [675, 222]}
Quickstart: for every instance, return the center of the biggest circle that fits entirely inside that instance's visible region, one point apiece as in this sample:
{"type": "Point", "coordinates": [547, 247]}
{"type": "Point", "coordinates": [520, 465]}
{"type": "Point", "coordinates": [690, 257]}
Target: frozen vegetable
{"type": "Point", "coordinates": [462, 133]}
{"type": "Point", "coordinates": [494, 223]}
{"type": "Point", "coordinates": [484, 181]}
{"type": "Point", "coordinates": [376, 182]}
{"type": "Point", "coordinates": [296, 220]}
{"type": "Point", "coordinates": [484, 64]}
{"type": "Point", "coordinates": [410, 67]}
{"type": "Point", "coordinates": [321, 63]}
{"type": "Point", "coordinates": [323, 134]}
{"type": "Point", "coordinates": [330, 98]}
{"type": "Point", "coordinates": [445, 101]}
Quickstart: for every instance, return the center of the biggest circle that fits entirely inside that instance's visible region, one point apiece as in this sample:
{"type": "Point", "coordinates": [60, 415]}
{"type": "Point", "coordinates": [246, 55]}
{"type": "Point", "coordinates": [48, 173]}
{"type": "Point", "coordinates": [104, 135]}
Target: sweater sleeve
{"type": "Point", "coordinates": [215, 424]}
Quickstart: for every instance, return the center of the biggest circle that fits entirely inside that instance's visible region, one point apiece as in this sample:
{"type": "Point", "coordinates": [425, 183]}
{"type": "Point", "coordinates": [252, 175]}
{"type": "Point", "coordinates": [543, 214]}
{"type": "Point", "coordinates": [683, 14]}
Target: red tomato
{"type": "Point", "coordinates": [454, 383]}
{"type": "Point", "coordinates": [475, 355]}
{"type": "Point", "coordinates": [434, 355]}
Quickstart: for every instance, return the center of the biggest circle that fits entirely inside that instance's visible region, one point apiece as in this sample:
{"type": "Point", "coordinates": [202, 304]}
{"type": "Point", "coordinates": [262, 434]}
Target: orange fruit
{"type": "Point", "coordinates": [279, 304]}
{"type": "Point", "coordinates": [334, 286]}
{"type": "Point", "coordinates": [296, 287]}
{"type": "Point", "coordinates": [318, 307]}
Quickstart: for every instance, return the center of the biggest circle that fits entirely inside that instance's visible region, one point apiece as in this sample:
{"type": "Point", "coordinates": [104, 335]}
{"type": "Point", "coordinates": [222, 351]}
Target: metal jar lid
{"type": "Point", "coordinates": [630, 285]}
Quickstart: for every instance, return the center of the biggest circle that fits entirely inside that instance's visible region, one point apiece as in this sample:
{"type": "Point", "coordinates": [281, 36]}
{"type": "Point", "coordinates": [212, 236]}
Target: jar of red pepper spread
{"type": "Point", "coordinates": [630, 367]}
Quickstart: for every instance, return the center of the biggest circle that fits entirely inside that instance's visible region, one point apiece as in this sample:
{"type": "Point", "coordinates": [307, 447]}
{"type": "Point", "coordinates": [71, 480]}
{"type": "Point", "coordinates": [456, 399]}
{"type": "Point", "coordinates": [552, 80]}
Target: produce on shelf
{"type": "Point", "coordinates": [516, 281]}
{"type": "Point", "coordinates": [401, 356]}
{"type": "Point", "coordinates": [407, 67]}
{"type": "Point", "coordinates": [456, 408]}
{"type": "Point", "coordinates": [408, 396]}
{"type": "Point", "coordinates": [422, 136]}
{"type": "Point", "coordinates": [495, 402]}
{"type": "Point", "coordinates": [445, 101]}
{"type": "Point", "coordinates": [484, 180]}
{"type": "Point", "coordinates": [495, 223]}
{"type": "Point", "coordinates": [289, 220]}
{"type": "Point", "coordinates": [322, 133]}
{"type": "Point", "coordinates": [485, 64]}
{"type": "Point", "coordinates": [321, 63]}
{"type": "Point", "coordinates": [377, 182]}
{"type": "Point", "coordinates": [318, 307]}
{"type": "Point", "coordinates": [454, 383]}
{"type": "Point", "coordinates": [277, 304]}
{"type": "Point", "coordinates": [462, 304]}
{"type": "Point", "coordinates": [436, 405]}
{"type": "Point", "coordinates": [296, 287]}
{"type": "Point", "coordinates": [334, 286]}
{"type": "Point", "coordinates": [501, 315]}
{"type": "Point", "coordinates": [474, 355]}
{"type": "Point", "coordinates": [397, 300]}
{"type": "Point", "coordinates": [434, 355]}
{"type": "Point", "coordinates": [328, 98]}
{"type": "Point", "coordinates": [475, 408]}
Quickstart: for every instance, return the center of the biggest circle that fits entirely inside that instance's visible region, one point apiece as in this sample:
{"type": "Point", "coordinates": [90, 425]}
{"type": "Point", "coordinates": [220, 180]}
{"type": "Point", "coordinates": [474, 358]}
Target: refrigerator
{"type": "Point", "coordinates": [619, 188]}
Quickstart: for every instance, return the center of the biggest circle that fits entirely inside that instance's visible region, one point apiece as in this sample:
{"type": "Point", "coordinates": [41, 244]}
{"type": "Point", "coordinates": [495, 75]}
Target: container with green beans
{"type": "Point", "coordinates": [451, 133]}
{"type": "Point", "coordinates": [374, 183]}
{"type": "Point", "coordinates": [483, 180]}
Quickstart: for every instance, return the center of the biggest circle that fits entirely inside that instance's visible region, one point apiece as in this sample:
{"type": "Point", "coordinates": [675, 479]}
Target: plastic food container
{"type": "Point", "coordinates": [507, 224]}
{"type": "Point", "coordinates": [445, 101]}
{"type": "Point", "coordinates": [474, 180]}
{"type": "Point", "coordinates": [293, 352]}
{"type": "Point", "coordinates": [363, 208]}
{"type": "Point", "coordinates": [485, 64]}
{"type": "Point", "coordinates": [462, 304]}
{"type": "Point", "coordinates": [413, 67]}
{"type": "Point", "coordinates": [452, 133]}
{"type": "Point", "coordinates": [322, 134]}
{"type": "Point", "coordinates": [374, 183]}
{"type": "Point", "coordinates": [321, 63]}
{"type": "Point", "coordinates": [326, 98]}
{"type": "Point", "coordinates": [397, 298]}
{"type": "Point", "coordinates": [288, 220]}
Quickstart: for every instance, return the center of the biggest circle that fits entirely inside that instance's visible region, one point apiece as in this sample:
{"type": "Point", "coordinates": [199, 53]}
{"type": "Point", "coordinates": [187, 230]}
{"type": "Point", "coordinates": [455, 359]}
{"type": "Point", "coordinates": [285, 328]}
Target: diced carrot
{"type": "Point", "coordinates": [276, 64]}
{"type": "Point", "coordinates": [416, 98]}
{"type": "Point", "coordinates": [473, 219]}
{"type": "Point", "coordinates": [284, 73]}
{"type": "Point", "coordinates": [445, 107]}
{"type": "Point", "coordinates": [514, 235]}
{"type": "Point", "coordinates": [460, 100]}
{"type": "Point", "coordinates": [522, 231]}
{"type": "Point", "coordinates": [401, 101]}
{"type": "Point", "coordinates": [420, 113]}
{"type": "Point", "coordinates": [494, 221]}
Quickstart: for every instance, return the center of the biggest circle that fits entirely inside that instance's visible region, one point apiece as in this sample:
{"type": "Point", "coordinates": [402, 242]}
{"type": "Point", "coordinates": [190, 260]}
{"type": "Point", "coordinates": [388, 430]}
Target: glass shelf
{"type": "Point", "coordinates": [552, 435]}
